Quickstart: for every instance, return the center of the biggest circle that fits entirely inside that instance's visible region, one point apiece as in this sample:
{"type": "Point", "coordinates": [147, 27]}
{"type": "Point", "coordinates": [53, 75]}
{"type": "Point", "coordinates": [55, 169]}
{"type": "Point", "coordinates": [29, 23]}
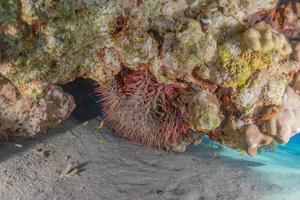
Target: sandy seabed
{"type": "Point", "coordinates": [108, 167]}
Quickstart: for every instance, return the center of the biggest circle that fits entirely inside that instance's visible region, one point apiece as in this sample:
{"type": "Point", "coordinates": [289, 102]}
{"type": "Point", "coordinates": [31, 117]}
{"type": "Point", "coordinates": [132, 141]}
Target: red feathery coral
{"type": "Point", "coordinates": [140, 110]}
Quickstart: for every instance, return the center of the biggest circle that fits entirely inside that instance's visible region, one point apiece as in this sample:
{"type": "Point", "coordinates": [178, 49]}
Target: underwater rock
{"type": "Point", "coordinates": [245, 136]}
{"type": "Point", "coordinates": [24, 117]}
{"type": "Point", "coordinates": [223, 18]}
{"type": "Point", "coordinates": [172, 8]}
{"type": "Point", "coordinates": [134, 45]}
{"type": "Point", "coordinates": [286, 124]}
{"type": "Point", "coordinates": [104, 71]}
{"type": "Point", "coordinates": [296, 51]}
{"type": "Point", "coordinates": [281, 126]}
{"type": "Point", "coordinates": [55, 43]}
{"type": "Point", "coordinates": [265, 88]}
{"type": "Point", "coordinates": [255, 139]}
{"type": "Point", "coordinates": [204, 110]}
{"type": "Point", "coordinates": [184, 55]}
{"type": "Point", "coordinates": [236, 63]}
{"type": "Point", "coordinates": [296, 83]}
{"type": "Point", "coordinates": [261, 92]}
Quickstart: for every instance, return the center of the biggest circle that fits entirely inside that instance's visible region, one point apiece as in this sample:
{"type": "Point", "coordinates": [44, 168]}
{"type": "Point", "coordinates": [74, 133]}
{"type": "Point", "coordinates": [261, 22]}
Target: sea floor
{"type": "Point", "coordinates": [281, 168]}
{"type": "Point", "coordinates": [79, 160]}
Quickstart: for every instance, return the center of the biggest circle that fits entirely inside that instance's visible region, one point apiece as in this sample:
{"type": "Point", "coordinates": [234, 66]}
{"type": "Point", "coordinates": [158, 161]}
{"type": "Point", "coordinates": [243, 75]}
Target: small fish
{"type": "Point", "coordinates": [19, 145]}
{"type": "Point", "coordinates": [70, 171]}
{"type": "Point", "coordinates": [101, 141]}
{"type": "Point", "coordinates": [101, 125]}
{"type": "Point", "coordinates": [242, 153]}
{"type": "Point", "coordinates": [85, 123]}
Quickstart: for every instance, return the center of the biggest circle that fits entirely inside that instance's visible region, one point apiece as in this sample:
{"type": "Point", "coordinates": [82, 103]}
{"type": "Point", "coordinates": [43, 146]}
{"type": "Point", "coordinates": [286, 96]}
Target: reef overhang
{"type": "Point", "coordinates": [170, 71]}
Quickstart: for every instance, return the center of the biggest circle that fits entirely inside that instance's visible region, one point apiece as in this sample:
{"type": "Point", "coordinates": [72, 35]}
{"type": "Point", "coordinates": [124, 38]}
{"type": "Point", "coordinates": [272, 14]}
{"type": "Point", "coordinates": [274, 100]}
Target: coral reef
{"type": "Point", "coordinates": [286, 123]}
{"type": "Point", "coordinates": [262, 37]}
{"type": "Point", "coordinates": [169, 71]}
{"type": "Point", "coordinates": [237, 134]}
{"type": "Point", "coordinates": [296, 51]}
{"type": "Point", "coordinates": [237, 67]}
{"type": "Point", "coordinates": [24, 117]}
{"type": "Point", "coordinates": [204, 112]}
{"type": "Point", "coordinates": [183, 54]}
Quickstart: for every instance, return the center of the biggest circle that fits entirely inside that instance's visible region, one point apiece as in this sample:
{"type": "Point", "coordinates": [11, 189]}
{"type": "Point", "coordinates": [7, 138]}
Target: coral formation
{"type": "Point", "coordinates": [24, 117]}
{"type": "Point", "coordinates": [169, 71]}
{"type": "Point", "coordinates": [296, 51]}
{"type": "Point", "coordinates": [237, 134]}
{"type": "Point", "coordinates": [204, 112]}
{"type": "Point", "coordinates": [184, 54]}
{"type": "Point", "coordinates": [262, 37]}
{"type": "Point", "coordinates": [238, 67]}
{"type": "Point", "coordinates": [134, 45]}
{"type": "Point", "coordinates": [286, 124]}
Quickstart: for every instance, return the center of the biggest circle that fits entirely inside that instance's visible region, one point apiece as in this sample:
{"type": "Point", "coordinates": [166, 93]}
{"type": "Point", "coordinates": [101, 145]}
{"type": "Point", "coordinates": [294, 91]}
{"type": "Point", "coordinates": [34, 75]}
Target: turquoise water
{"type": "Point", "coordinates": [281, 168]}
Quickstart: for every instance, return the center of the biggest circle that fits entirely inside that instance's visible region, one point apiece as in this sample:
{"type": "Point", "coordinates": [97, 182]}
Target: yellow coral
{"type": "Point", "coordinates": [240, 67]}
{"type": "Point", "coordinates": [26, 12]}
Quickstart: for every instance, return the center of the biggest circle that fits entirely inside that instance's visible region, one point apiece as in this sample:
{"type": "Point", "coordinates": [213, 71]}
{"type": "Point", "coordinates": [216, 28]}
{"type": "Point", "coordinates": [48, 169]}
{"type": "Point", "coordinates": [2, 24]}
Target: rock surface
{"type": "Point", "coordinates": [238, 51]}
{"type": "Point", "coordinates": [24, 117]}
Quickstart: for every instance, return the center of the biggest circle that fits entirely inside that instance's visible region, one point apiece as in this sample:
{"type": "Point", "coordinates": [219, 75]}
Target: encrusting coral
{"type": "Point", "coordinates": [237, 67]}
{"type": "Point", "coordinates": [183, 54]}
{"type": "Point", "coordinates": [169, 71]}
{"type": "Point", "coordinates": [204, 112]}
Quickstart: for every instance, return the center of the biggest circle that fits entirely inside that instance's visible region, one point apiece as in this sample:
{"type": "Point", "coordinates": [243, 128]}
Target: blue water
{"type": "Point", "coordinates": [281, 168]}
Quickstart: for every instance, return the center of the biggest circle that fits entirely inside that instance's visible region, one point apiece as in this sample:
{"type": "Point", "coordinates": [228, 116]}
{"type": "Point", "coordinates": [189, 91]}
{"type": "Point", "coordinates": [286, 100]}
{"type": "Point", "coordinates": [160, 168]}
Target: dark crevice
{"type": "Point", "coordinates": [87, 101]}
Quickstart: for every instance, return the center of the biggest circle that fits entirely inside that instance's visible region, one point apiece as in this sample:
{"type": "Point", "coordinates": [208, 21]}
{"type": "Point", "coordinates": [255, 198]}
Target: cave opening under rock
{"type": "Point", "coordinates": [87, 101]}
